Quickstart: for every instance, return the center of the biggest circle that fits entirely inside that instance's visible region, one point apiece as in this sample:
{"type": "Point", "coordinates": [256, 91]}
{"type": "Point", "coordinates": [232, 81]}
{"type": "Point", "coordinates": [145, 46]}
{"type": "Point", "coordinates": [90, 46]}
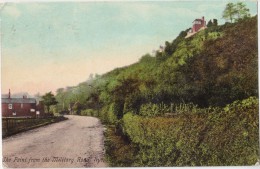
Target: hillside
{"type": "Point", "coordinates": [171, 109]}
{"type": "Point", "coordinates": [220, 61]}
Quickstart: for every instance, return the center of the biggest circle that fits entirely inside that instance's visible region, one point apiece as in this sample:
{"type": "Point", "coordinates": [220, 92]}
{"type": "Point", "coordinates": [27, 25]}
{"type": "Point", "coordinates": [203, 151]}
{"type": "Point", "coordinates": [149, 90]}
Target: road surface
{"type": "Point", "coordinates": [76, 142]}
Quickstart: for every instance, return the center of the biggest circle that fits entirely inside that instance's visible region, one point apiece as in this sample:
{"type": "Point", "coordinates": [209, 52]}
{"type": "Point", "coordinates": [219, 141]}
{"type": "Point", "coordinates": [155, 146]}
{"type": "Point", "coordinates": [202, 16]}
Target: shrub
{"type": "Point", "coordinates": [153, 110]}
{"type": "Point", "coordinates": [103, 114]}
{"type": "Point", "coordinates": [227, 136]}
{"type": "Point", "coordinates": [116, 108]}
{"type": "Point", "coordinates": [88, 112]}
{"type": "Point", "coordinates": [119, 152]}
{"type": "Point", "coordinates": [111, 117]}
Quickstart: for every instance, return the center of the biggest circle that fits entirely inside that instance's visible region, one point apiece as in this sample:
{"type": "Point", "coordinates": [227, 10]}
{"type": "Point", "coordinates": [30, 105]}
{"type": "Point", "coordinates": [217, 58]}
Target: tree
{"type": "Point", "coordinates": [167, 48]}
{"type": "Point", "coordinates": [209, 23]}
{"type": "Point", "coordinates": [236, 11]}
{"type": "Point", "coordinates": [93, 100]}
{"type": "Point", "coordinates": [229, 12]}
{"type": "Point", "coordinates": [49, 100]}
{"type": "Point", "coordinates": [215, 22]}
{"type": "Point", "coordinates": [122, 91]}
{"type": "Point", "coordinates": [241, 11]}
{"type": "Point", "coordinates": [77, 107]}
{"type": "Point", "coordinates": [60, 97]}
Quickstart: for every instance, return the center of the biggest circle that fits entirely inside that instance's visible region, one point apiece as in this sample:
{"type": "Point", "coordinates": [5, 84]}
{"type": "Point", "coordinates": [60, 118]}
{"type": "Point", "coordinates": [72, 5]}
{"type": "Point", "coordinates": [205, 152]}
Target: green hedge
{"type": "Point", "coordinates": [108, 114]}
{"type": "Point", "coordinates": [111, 115]}
{"type": "Point", "coordinates": [152, 110]}
{"type": "Point", "coordinates": [89, 112]}
{"type": "Point", "coordinates": [227, 136]}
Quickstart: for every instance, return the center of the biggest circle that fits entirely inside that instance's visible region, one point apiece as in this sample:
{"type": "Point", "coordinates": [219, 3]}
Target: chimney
{"type": "Point", "coordinates": [9, 94]}
{"type": "Point", "coordinates": [24, 97]}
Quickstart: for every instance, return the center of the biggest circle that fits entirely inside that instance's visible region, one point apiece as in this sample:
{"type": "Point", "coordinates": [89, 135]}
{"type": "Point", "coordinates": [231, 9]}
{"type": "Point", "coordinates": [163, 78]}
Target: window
{"type": "Point", "coordinates": [10, 106]}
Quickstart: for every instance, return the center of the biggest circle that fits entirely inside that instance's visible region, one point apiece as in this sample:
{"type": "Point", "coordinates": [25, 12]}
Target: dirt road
{"type": "Point", "coordinates": [76, 142]}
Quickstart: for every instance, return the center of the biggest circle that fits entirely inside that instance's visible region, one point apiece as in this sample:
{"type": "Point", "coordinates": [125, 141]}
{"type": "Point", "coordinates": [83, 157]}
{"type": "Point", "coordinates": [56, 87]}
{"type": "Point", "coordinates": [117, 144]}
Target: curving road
{"type": "Point", "coordinates": [76, 142]}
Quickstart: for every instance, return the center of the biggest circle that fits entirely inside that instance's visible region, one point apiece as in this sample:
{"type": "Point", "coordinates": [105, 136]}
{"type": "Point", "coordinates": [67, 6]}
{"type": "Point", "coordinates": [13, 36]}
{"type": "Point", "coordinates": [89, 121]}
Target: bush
{"type": "Point", "coordinates": [119, 152]}
{"type": "Point", "coordinates": [103, 114]}
{"type": "Point", "coordinates": [153, 110]}
{"type": "Point", "coordinates": [111, 117]}
{"type": "Point", "coordinates": [116, 108]}
{"type": "Point", "coordinates": [227, 136]}
{"type": "Point", "coordinates": [107, 114]}
{"type": "Point", "coordinates": [88, 112]}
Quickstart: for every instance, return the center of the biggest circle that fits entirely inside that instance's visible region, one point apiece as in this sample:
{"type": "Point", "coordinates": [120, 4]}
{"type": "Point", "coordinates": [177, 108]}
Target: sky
{"type": "Point", "coordinates": [51, 45]}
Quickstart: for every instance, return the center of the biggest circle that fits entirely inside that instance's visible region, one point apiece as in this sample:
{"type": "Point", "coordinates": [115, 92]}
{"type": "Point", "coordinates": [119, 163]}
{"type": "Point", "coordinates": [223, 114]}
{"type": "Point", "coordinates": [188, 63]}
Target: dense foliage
{"type": "Point", "coordinates": [236, 11]}
{"type": "Point", "coordinates": [227, 136]}
{"type": "Point", "coordinates": [49, 100]}
{"type": "Point", "coordinates": [214, 68]}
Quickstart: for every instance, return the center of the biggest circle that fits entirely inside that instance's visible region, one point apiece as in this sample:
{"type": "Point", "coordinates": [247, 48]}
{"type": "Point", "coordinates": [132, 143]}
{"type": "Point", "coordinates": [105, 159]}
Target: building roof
{"type": "Point", "coordinates": [198, 20]}
{"type": "Point", "coordinates": [18, 100]}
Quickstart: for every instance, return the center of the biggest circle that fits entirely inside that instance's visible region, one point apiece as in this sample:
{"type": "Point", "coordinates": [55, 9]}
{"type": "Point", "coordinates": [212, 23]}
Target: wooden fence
{"type": "Point", "coordinates": [12, 125]}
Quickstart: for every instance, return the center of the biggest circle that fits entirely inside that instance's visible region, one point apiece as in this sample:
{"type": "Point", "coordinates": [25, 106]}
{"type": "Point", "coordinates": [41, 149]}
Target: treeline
{"type": "Point", "coordinates": [213, 68]}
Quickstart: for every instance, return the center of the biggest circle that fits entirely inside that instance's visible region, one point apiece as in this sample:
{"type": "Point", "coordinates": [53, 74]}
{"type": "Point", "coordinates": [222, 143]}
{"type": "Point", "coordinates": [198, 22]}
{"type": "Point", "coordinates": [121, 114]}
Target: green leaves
{"type": "Point", "coordinates": [229, 12]}
{"type": "Point", "coordinates": [154, 110]}
{"type": "Point", "coordinates": [223, 137]}
{"type": "Point", "coordinates": [236, 11]}
{"type": "Point", "coordinates": [48, 100]}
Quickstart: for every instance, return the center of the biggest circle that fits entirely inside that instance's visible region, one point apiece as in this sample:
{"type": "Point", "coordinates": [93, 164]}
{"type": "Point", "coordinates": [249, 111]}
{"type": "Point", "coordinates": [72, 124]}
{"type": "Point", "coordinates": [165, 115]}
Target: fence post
{"type": "Point", "coordinates": [6, 125]}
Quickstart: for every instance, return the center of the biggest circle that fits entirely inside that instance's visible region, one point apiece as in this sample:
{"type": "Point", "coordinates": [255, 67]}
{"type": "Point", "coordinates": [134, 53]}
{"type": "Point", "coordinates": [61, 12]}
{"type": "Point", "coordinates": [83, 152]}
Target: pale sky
{"type": "Point", "coordinates": [45, 46]}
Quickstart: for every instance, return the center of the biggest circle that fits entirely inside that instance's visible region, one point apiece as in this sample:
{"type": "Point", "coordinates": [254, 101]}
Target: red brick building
{"type": "Point", "coordinates": [198, 24]}
{"type": "Point", "coordinates": [19, 107]}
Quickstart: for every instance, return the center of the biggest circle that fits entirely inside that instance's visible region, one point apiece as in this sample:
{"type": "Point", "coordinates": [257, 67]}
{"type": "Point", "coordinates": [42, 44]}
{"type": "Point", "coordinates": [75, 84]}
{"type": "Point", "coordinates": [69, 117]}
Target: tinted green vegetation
{"type": "Point", "coordinates": [227, 136]}
{"type": "Point", "coordinates": [194, 103]}
{"type": "Point", "coordinates": [49, 100]}
{"type": "Point", "coordinates": [236, 11]}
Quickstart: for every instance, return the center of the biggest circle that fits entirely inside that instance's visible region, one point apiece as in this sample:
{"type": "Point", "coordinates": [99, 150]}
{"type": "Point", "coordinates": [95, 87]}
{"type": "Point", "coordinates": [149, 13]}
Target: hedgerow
{"type": "Point", "coordinates": [227, 136]}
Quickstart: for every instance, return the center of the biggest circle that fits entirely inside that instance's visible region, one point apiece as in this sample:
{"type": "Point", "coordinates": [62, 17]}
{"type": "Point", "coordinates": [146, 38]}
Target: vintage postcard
{"type": "Point", "coordinates": [129, 83]}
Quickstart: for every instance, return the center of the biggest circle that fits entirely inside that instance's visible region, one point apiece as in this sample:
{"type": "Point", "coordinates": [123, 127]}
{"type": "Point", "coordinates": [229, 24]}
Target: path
{"type": "Point", "coordinates": [76, 142]}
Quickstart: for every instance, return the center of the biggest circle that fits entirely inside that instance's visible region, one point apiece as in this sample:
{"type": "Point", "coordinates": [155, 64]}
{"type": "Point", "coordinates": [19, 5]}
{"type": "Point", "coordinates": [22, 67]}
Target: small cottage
{"type": "Point", "coordinates": [19, 107]}
{"type": "Point", "coordinates": [198, 25]}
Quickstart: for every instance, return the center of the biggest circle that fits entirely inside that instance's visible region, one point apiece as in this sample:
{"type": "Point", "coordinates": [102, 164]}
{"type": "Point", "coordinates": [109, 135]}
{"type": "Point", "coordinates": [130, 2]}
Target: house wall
{"type": "Point", "coordinates": [197, 27]}
{"type": "Point", "coordinates": [40, 108]}
{"type": "Point", "coordinates": [198, 24]}
{"type": "Point", "coordinates": [24, 110]}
